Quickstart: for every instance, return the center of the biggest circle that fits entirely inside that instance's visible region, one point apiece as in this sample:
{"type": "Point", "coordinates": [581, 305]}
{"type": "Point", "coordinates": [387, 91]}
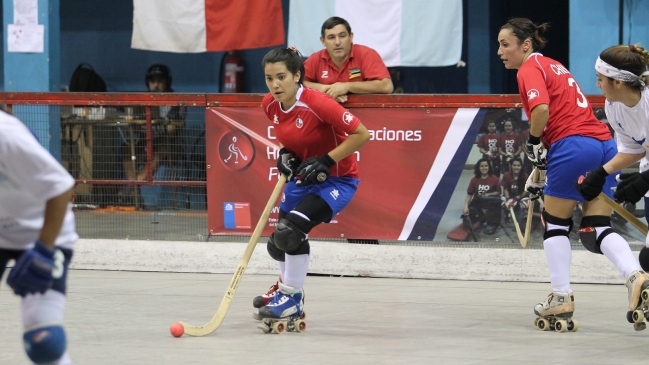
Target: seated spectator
{"type": "Point", "coordinates": [509, 145]}
{"type": "Point", "coordinates": [488, 145]}
{"type": "Point", "coordinates": [343, 67]}
{"type": "Point", "coordinates": [513, 184]}
{"type": "Point", "coordinates": [484, 196]}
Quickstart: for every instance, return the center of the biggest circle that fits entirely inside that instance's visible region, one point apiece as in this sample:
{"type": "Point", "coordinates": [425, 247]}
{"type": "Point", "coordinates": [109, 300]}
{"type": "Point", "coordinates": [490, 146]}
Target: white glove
{"type": "Point", "coordinates": [535, 188]}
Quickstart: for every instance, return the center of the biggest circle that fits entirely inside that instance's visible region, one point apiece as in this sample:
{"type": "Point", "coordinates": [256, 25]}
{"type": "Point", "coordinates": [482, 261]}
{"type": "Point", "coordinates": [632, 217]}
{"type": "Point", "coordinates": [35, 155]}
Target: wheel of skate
{"type": "Point", "coordinates": [645, 295]}
{"type": "Point", "coordinates": [573, 325]}
{"type": "Point", "coordinates": [278, 327]}
{"type": "Point", "coordinates": [543, 324]}
{"type": "Point", "coordinates": [264, 327]}
{"type": "Point", "coordinates": [629, 316]}
{"type": "Point", "coordinates": [637, 316]}
{"type": "Point", "coordinates": [561, 325]}
{"type": "Point", "coordinates": [303, 316]}
{"type": "Point", "coordinates": [639, 326]}
{"type": "Point", "coordinates": [300, 326]}
{"type": "Point", "coordinates": [536, 321]}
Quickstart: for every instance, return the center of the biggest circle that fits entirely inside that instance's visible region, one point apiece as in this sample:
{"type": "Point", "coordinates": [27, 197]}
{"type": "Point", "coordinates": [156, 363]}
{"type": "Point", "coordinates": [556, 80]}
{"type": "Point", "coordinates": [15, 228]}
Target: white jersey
{"type": "Point", "coordinates": [29, 177]}
{"type": "Point", "coordinates": [631, 125]}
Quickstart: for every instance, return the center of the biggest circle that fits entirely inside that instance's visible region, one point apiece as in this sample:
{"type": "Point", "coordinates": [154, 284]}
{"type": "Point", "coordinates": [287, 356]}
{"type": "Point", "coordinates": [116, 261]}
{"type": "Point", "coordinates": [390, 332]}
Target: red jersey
{"type": "Point", "coordinates": [509, 143]}
{"type": "Point", "coordinates": [511, 185]}
{"type": "Point", "coordinates": [315, 125]}
{"type": "Point", "coordinates": [542, 80]}
{"type": "Point", "coordinates": [363, 64]}
{"type": "Point", "coordinates": [489, 142]}
{"type": "Point", "coordinates": [483, 186]}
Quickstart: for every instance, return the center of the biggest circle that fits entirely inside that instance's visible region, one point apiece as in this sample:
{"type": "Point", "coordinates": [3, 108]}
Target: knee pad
{"type": "Point", "coordinates": [643, 258]}
{"type": "Point", "coordinates": [45, 344]}
{"type": "Point", "coordinates": [273, 250]}
{"type": "Point", "coordinates": [290, 232]}
{"type": "Point", "coordinates": [549, 221]}
{"type": "Point", "coordinates": [588, 233]}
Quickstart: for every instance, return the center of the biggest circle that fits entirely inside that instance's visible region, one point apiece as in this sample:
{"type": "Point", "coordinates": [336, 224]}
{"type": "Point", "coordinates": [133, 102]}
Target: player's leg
{"type": "Point", "coordinates": [278, 255]}
{"type": "Point", "coordinates": [44, 337]}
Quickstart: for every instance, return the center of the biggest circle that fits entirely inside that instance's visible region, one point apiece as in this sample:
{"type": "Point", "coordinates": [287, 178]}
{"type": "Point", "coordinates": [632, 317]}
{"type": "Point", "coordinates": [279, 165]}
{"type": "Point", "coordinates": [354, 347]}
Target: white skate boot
{"type": "Point", "coordinates": [556, 313]}
{"type": "Point", "coordinates": [638, 286]}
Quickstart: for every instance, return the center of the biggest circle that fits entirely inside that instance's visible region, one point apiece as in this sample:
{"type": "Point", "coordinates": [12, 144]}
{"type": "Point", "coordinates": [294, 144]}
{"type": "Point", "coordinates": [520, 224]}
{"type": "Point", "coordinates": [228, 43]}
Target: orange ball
{"type": "Point", "coordinates": [177, 329]}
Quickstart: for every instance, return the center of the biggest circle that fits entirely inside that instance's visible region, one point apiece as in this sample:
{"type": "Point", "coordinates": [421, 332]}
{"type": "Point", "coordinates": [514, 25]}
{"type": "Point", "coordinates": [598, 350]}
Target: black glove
{"type": "Point", "coordinates": [632, 187]}
{"type": "Point", "coordinates": [592, 185]}
{"type": "Point", "coordinates": [536, 152]}
{"type": "Point", "coordinates": [287, 163]}
{"type": "Point", "coordinates": [314, 170]}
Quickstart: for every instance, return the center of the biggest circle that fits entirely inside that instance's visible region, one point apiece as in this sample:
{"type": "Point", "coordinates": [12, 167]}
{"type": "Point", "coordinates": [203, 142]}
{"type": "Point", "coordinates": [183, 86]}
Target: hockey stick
{"type": "Point", "coordinates": [215, 322]}
{"type": "Point", "coordinates": [624, 213]}
{"type": "Point", "coordinates": [525, 239]}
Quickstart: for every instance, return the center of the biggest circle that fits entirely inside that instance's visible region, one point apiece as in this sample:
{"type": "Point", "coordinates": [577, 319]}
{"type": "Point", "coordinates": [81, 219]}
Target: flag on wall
{"type": "Point", "coordinates": [192, 26]}
{"type": "Point", "coordinates": [403, 32]}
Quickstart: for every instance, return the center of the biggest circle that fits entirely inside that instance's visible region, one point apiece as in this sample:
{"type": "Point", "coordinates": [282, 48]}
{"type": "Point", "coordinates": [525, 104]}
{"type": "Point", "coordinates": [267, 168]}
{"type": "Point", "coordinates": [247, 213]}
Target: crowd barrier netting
{"type": "Point", "coordinates": [202, 166]}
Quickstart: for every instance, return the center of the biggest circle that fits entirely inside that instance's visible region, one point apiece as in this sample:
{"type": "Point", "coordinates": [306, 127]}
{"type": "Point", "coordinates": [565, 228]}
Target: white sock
{"type": "Point", "coordinates": [282, 268]}
{"type": "Point", "coordinates": [296, 269]}
{"type": "Point", "coordinates": [616, 249]}
{"type": "Point", "coordinates": [558, 254]}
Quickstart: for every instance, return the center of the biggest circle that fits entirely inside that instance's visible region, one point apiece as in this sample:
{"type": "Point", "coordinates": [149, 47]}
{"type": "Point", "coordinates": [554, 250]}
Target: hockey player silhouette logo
{"type": "Point", "coordinates": [236, 151]}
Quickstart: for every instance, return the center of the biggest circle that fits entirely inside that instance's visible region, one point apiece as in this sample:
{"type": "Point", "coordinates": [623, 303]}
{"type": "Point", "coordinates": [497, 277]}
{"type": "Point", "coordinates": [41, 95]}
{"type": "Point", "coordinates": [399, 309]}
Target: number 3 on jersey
{"type": "Point", "coordinates": [581, 101]}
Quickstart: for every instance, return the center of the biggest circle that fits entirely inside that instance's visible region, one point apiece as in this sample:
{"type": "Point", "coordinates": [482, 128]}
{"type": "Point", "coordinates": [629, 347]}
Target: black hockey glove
{"type": "Point", "coordinates": [536, 152]}
{"type": "Point", "coordinates": [592, 184]}
{"type": "Point", "coordinates": [314, 170]}
{"type": "Point", "coordinates": [632, 187]}
{"type": "Point", "coordinates": [287, 163]}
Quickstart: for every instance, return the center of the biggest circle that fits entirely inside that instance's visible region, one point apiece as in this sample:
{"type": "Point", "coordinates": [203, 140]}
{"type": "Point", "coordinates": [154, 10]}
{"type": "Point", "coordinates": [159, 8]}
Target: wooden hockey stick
{"type": "Point", "coordinates": [624, 213]}
{"type": "Point", "coordinates": [525, 239]}
{"type": "Point", "coordinates": [215, 322]}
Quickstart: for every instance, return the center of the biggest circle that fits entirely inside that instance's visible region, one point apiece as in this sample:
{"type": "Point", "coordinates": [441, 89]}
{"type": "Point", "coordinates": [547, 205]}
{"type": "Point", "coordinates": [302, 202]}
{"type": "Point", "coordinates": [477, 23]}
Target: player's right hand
{"type": "Point", "coordinates": [287, 163]}
{"type": "Point", "coordinates": [535, 188]}
{"type": "Point", "coordinates": [536, 153]}
{"type": "Point", "coordinates": [632, 187]}
{"type": "Point", "coordinates": [32, 273]}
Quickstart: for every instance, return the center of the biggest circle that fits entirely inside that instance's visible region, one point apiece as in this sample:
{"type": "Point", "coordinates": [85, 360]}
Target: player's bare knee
{"type": "Point", "coordinates": [290, 232]}
{"type": "Point", "coordinates": [45, 344]}
{"type": "Point", "coordinates": [593, 230]}
{"type": "Point", "coordinates": [555, 226]}
{"type": "Point", "coordinates": [273, 250]}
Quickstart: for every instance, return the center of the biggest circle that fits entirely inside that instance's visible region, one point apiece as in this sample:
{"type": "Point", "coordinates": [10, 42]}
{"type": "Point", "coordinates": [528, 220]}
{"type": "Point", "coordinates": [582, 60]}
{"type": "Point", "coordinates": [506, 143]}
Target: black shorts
{"type": "Point", "coordinates": [58, 285]}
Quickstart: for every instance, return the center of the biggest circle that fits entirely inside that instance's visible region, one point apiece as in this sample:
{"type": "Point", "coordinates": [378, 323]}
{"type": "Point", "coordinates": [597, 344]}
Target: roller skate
{"type": "Point", "coordinates": [556, 313]}
{"type": "Point", "coordinates": [638, 286]}
{"type": "Point", "coordinates": [261, 300]}
{"type": "Point", "coordinates": [283, 312]}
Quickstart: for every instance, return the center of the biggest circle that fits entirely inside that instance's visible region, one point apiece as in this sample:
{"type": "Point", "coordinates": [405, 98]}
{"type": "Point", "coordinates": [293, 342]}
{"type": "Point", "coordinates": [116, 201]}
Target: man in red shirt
{"type": "Point", "coordinates": [342, 67]}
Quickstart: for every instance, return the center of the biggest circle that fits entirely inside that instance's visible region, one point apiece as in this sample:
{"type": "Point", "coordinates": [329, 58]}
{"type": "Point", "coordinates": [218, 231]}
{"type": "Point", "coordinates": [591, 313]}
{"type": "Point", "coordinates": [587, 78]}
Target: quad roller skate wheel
{"type": "Point", "coordinates": [639, 326]}
{"type": "Point", "coordinates": [573, 325]}
{"type": "Point", "coordinates": [299, 326]}
{"type": "Point", "coordinates": [645, 295]}
{"type": "Point", "coordinates": [542, 324]}
{"type": "Point", "coordinates": [637, 316]}
{"type": "Point", "coordinates": [278, 327]}
{"type": "Point", "coordinates": [561, 325]}
{"type": "Point", "coordinates": [264, 327]}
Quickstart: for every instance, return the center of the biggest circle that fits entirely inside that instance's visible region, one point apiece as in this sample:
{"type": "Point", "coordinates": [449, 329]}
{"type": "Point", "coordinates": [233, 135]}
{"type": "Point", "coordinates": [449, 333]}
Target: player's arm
{"type": "Point", "coordinates": [316, 86]}
{"type": "Point", "coordinates": [55, 210]}
{"type": "Point", "coordinates": [540, 116]}
{"type": "Point", "coordinates": [353, 143]}
{"type": "Point", "coordinates": [621, 161]}
{"type": "Point", "coordinates": [383, 86]}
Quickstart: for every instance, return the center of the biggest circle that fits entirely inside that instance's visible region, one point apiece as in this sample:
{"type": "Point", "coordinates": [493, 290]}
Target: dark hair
{"type": "Point", "coordinates": [290, 57]}
{"type": "Point", "coordinates": [476, 168]}
{"type": "Point", "coordinates": [632, 58]}
{"type": "Point", "coordinates": [524, 29]}
{"type": "Point", "coordinates": [158, 70]}
{"type": "Point", "coordinates": [332, 22]}
{"type": "Point", "coordinates": [520, 182]}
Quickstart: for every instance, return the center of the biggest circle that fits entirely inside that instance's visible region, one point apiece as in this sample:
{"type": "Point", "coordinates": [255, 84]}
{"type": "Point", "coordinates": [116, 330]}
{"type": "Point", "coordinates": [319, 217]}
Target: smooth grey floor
{"type": "Point", "coordinates": [124, 317]}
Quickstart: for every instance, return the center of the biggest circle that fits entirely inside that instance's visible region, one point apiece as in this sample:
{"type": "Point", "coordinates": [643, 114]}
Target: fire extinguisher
{"type": "Point", "coordinates": [233, 73]}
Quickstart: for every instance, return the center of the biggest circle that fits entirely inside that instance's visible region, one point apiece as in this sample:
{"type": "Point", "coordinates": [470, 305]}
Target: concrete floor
{"type": "Point", "coordinates": [124, 318]}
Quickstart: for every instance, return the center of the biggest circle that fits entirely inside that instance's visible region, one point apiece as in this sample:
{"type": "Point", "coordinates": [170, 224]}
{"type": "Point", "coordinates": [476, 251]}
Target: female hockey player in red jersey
{"type": "Point", "coordinates": [319, 138]}
{"type": "Point", "coordinates": [563, 130]}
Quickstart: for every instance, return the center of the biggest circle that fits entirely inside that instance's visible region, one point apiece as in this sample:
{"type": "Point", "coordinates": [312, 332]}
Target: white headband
{"type": "Point", "coordinates": [617, 74]}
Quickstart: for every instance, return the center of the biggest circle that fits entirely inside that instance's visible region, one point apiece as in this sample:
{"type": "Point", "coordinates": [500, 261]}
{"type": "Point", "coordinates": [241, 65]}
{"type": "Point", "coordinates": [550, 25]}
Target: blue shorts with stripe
{"type": "Point", "coordinates": [336, 191]}
{"type": "Point", "coordinates": [572, 157]}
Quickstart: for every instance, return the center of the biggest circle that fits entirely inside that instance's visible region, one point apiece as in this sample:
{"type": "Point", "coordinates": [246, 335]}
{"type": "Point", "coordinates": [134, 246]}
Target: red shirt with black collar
{"type": "Point", "coordinates": [362, 64]}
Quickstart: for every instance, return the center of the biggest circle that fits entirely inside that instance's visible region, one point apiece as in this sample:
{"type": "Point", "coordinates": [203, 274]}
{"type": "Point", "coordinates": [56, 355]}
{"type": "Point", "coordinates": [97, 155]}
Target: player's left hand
{"type": "Point", "coordinates": [32, 273]}
{"type": "Point", "coordinates": [632, 187]}
{"type": "Point", "coordinates": [592, 184]}
{"type": "Point", "coordinates": [535, 188]}
{"type": "Point", "coordinates": [314, 170]}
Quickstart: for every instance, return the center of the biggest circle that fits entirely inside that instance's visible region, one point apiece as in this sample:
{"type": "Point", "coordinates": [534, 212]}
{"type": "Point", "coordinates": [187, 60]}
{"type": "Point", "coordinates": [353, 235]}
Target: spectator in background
{"type": "Point", "coordinates": [509, 145]}
{"type": "Point", "coordinates": [343, 67]}
{"type": "Point", "coordinates": [513, 184]}
{"type": "Point", "coordinates": [483, 195]}
{"type": "Point", "coordinates": [488, 145]}
{"type": "Point", "coordinates": [167, 136]}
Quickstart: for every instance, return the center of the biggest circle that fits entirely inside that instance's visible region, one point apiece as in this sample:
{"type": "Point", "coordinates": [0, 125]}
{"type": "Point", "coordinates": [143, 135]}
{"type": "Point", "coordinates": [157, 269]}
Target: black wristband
{"type": "Point", "coordinates": [327, 160]}
{"type": "Point", "coordinates": [600, 171]}
{"type": "Point", "coordinates": [534, 140]}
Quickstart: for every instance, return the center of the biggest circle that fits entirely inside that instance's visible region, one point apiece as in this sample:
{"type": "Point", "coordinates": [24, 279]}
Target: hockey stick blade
{"type": "Point", "coordinates": [215, 322]}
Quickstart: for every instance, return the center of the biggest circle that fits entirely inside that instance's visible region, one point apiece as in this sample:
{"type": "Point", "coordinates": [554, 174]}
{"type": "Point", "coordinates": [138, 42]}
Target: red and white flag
{"type": "Point", "coordinates": [193, 26]}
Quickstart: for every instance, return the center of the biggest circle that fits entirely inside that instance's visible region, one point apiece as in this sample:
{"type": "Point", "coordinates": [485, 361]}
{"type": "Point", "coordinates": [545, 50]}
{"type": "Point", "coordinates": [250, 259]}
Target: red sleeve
{"type": "Point", "coordinates": [264, 104]}
{"type": "Point", "coordinates": [330, 111]}
{"type": "Point", "coordinates": [373, 66]}
{"type": "Point", "coordinates": [481, 142]}
{"type": "Point", "coordinates": [531, 84]}
{"type": "Point", "coordinates": [311, 67]}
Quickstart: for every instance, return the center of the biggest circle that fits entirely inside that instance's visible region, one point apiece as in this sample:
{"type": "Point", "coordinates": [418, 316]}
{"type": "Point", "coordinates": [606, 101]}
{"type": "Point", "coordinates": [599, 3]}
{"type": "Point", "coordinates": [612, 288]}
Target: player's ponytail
{"type": "Point", "coordinates": [524, 28]}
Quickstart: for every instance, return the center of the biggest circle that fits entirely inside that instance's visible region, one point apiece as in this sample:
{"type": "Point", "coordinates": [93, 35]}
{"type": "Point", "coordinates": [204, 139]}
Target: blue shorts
{"type": "Point", "coordinates": [572, 157]}
{"type": "Point", "coordinates": [336, 191]}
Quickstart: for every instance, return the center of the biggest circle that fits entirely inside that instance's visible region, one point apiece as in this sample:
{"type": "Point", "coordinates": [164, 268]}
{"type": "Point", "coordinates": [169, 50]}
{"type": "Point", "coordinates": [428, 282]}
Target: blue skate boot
{"type": "Point", "coordinates": [283, 312]}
